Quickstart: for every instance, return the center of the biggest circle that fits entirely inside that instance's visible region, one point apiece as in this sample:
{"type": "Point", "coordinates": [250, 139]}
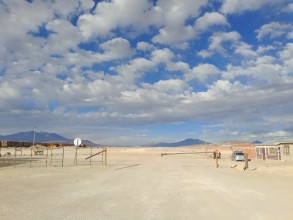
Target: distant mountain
{"type": "Point", "coordinates": [29, 137]}
{"type": "Point", "coordinates": [186, 142]}
{"type": "Point", "coordinates": [256, 142]}
{"type": "Point", "coordinates": [41, 137]}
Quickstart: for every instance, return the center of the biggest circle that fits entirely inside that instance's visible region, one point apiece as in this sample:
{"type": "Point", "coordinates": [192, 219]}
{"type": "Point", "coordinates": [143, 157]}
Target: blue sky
{"type": "Point", "coordinates": [131, 72]}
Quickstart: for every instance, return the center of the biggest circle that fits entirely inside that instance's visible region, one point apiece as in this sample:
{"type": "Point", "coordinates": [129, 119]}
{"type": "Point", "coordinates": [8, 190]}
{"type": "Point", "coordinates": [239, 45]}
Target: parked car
{"type": "Point", "coordinates": [238, 156]}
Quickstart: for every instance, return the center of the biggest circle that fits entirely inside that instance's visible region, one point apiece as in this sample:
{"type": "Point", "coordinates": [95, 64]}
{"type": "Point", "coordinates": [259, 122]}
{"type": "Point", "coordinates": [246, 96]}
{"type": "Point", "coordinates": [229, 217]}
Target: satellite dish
{"type": "Point", "coordinates": [77, 142]}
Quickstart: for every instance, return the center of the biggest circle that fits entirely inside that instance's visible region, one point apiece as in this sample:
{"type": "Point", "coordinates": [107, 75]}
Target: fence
{"type": "Point", "coordinates": [56, 157]}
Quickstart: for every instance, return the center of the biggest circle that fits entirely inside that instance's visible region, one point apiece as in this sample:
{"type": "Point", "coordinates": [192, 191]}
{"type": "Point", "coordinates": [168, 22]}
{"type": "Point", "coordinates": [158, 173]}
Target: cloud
{"type": "Point", "coordinates": [172, 86]}
{"type": "Point", "coordinates": [218, 40]}
{"type": "Point", "coordinates": [245, 50]}
{"type": "Point", "coordinates": [175, 36]}
{"type": "Point", "coordinates": [145, 46]}
{"type": "Point", "coordinates": [110, 15]}
{"type": "Point", "coordinates": [17, 18]}
{"type": "Point", "coordinates": [202, 72]}
{"type": "Point", "coordinates": [65, 32]}
{"type": "Point", "coordinates": [139, 63]}
{"type": "Point", "coordinates": [264, 69]}
{"type": "Point", "coordinates": [113, 49]}
{"type": "Point", "coordinates": [135, 69]}
{"type": "Point", "coordinates": [169, 16]}
{"type": "Point", "coordinates": [175, 13]}
{"type": "Point", "coordinates": [210, 19]}
{"type": "Point", "coordinates": [287, 58]}
{"type": "Point", "coordinates": [117, 48]}
{"type": "Point", "coordinates": [178, 66]}
{"type": "Point", "coordinates": [238, 6]}
{"type": "Point", "coordinates": [11, 23]}
{"type": "Point", "coordinates": [225, 88]}
{"type": "Point", "coordinates": [162, 55]}
{"type": "Point", "coordinates": [290, 35]}
{"type": "Point", "coordinates": [205, 53]}
{"type": "Point", "coordinates": [274, 30]}
{"type": "Point", "coordinates": [287, 53]}
{"type": "Point", "coordinates": [288, 8]}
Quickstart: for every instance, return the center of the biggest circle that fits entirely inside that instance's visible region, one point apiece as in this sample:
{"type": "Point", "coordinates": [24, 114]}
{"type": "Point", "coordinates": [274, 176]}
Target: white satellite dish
{"type": "Point", "coordinates": [77, 142]}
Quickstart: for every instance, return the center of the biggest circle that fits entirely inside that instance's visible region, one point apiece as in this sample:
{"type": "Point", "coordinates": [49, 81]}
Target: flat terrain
{"type": "Point", "coordinates": [138, 183]}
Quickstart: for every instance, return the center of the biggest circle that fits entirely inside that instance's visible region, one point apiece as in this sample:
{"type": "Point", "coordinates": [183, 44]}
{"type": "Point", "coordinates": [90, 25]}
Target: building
{"type": "Point", "coordinates": [227, 147]}
{"type": "Point", "coordinates": [274, 150]}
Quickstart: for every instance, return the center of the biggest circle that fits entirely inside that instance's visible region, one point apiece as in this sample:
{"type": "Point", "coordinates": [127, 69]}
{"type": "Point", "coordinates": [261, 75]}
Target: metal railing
{"type": "Point", "coordinates": [56, 157]}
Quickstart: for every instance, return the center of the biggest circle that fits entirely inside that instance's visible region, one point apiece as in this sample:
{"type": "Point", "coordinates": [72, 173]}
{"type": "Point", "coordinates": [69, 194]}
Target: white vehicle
{"type": "Point", "coordinates": [238, 155]}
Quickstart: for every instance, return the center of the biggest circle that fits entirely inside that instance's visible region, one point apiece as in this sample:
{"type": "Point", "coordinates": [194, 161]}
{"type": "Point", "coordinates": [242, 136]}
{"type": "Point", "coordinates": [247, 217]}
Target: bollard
{"type": "Point", "coordinates": [63, 157]}
{"type": "Point", "coordinates": [246, 161]}
{"type": "Point", "coordinates": [105, 156]}
{"type": "Point", "coordinates": [14, 157]}
{"type": "Point", "coordinates": [217, 159]}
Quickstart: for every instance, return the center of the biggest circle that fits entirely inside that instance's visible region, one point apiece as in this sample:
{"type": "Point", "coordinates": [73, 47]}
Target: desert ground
{"type": "Point", "coordinates": [138, 183]}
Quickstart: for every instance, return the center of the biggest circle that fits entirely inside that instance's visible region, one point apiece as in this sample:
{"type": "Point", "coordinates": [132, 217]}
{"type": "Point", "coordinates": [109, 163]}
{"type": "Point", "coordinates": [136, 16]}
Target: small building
{"type": "Point", "coordinates": [273, 150]}
{"type": "Point", "coordinates": [226, 148]}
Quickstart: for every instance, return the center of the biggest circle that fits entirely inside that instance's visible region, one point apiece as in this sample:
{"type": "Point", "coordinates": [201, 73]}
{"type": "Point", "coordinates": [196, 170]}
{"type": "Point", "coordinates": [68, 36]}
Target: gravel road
{"type": "Point", "coordinates": [140, 184]}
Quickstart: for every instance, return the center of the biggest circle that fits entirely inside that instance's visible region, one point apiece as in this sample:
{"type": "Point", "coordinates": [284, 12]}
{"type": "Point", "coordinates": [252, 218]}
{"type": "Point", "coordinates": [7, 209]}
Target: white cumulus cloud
{"type": "Point", "coordinates": [274, 30]}
{"type": "Point", "coordinates": [237, 6]}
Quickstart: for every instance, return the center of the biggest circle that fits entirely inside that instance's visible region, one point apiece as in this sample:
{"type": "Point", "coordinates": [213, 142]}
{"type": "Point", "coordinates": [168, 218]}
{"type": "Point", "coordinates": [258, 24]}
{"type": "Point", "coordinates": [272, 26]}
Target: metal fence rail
{"type": "Point", "coordinates": [56, 157]}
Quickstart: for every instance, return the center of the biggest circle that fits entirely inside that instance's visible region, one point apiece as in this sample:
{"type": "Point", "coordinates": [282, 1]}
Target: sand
{"type": "Point", "coordinates": [138, 183]}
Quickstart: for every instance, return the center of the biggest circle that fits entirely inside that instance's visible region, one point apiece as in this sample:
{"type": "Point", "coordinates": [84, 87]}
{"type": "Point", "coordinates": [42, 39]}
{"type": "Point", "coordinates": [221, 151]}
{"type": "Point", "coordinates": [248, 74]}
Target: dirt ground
{"type": "Point", "coordinates": [139, 183]}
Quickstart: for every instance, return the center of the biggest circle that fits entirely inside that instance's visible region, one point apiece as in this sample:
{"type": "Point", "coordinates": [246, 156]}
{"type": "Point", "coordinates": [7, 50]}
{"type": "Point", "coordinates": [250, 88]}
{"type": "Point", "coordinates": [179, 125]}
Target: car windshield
{"type": "Point", "coordinates": [241, 154]}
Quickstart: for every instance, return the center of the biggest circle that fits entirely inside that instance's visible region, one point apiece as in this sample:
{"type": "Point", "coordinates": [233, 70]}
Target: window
{"type": "Point", "coordinates": [272, 150]}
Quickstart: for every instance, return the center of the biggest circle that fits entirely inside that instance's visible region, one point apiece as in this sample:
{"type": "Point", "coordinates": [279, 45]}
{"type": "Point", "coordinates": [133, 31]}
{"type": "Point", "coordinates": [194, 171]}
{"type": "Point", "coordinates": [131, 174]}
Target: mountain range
{"type": "Point", "coordinates": [45, 137]}
{"type": "Point", "coordinates": [256, 142]}
{"type": "Point", "coordinates": [186, 142]}
{"type": "Point", "coordinates": [41, 137]}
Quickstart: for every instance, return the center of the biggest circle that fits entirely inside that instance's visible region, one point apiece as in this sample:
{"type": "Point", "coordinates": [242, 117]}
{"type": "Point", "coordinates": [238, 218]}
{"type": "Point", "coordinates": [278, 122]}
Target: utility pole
{"type": "Point", "coordinates": [34, 136]}
{"type": "Point", "coordinates": [204, 135]}
{"type": "Point", "coordinates": [204, 138]}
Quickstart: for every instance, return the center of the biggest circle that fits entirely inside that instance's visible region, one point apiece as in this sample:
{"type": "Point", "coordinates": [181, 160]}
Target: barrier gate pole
{"type": "Point", "coordinates": [105, 156]}
{"type": "Point", "coordinates": [217, 158]}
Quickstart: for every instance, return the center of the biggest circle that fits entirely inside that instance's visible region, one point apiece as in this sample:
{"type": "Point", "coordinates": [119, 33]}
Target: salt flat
{"type": "Point", "coordinates": [139, 184]}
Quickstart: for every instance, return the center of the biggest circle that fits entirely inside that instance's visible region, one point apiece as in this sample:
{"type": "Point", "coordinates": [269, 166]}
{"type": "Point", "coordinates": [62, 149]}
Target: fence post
{"type": "Point", "coordinates": [91, 155]}
{"type": "Point", "coordinates": [31, 157]}
{"type": "Point", "coordinates": [51, 157]}
{"type": "Point", "coordinates": [47, 158]}
{"type": "Point", "coordinates": [75, 159]}
{"type": "Point", "coordinates": [14, 157]}
{"type": "Point", "coordinates": [63, 157]}
{"type": "Point", "coordinates": [105, 155]}
{"type": "Point", "coordinates": [217, 158]}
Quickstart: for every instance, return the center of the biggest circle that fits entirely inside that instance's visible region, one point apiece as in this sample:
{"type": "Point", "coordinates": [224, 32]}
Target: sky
{"type": "Point", "coordinates": [134, 72]}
